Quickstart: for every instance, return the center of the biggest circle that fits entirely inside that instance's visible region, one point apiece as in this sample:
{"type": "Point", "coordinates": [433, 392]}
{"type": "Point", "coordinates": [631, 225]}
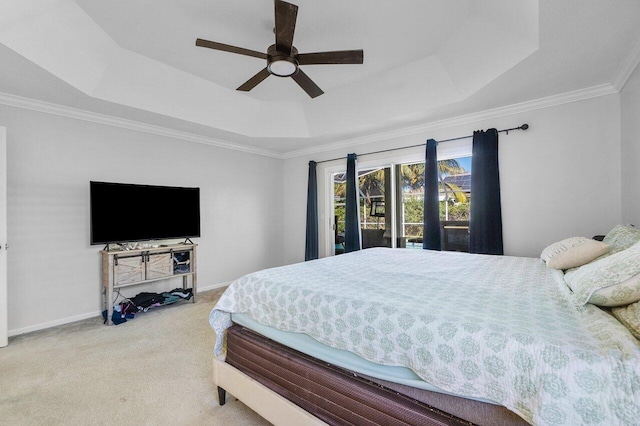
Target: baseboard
{"type": "Point", "coordinates": [55, 323]}
{"type": "Point", "coordinates": [67, 320]}
{"type": "Point", "coordinates": [213, 287]}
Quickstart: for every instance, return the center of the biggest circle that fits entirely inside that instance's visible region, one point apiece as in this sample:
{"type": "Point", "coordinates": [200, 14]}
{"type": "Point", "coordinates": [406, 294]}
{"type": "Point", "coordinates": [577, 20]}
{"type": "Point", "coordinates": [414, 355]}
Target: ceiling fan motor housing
{"type": "Point", "coordinates": [280, 63]}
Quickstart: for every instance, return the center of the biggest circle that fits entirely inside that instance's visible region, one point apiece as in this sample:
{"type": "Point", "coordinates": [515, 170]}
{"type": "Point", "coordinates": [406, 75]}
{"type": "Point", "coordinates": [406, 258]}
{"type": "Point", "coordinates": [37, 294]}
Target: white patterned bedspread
{"type": "Point", "coordinates": [496, 327]}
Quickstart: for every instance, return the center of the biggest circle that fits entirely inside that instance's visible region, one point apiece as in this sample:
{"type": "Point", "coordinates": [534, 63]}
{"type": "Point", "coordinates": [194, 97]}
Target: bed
{"type": "Point", "coordinates": [399, 336]}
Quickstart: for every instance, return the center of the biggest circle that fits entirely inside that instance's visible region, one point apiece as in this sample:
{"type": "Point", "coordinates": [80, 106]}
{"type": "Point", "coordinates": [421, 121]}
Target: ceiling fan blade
{"type": "Point", "coordinates": [307, 84]}
{"type": "Point", "coordinates": [254, 81]}
{"type": "Point", "coordinates": [228, 48]}
{"type": "Point", "coordinates": [286, 15]}
{"type": "Point", "coordinates": [335, 57]}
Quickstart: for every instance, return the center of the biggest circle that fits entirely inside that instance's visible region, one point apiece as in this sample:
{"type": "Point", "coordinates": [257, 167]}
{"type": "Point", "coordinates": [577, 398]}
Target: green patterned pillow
{"type": "Point", "coordinates": [609, 281]}
{"type": "Point", "coordinates": [618, 295]}
{"type": "Point", "coordinates": [621, 237]}
{"type": "Point", "coordinates": [629, 316]}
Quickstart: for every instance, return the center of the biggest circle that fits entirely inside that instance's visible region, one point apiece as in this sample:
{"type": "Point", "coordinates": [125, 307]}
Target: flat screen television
{"type": "Point", "coordinates": [122, 212]}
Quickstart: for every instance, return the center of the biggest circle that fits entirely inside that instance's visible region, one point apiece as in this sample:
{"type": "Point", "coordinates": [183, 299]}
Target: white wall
{"type": "Point", "coordinates": [630, 137]}
{"type": "Point", "coordinates": [53, 271]}
{"type": "Point", "coordinates": [560, 178]}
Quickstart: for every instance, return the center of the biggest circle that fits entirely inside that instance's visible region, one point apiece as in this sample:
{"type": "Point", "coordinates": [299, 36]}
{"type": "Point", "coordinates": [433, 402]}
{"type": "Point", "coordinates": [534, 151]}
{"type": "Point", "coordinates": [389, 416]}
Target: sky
{"type": "Point", "coordinates": [465, 163]}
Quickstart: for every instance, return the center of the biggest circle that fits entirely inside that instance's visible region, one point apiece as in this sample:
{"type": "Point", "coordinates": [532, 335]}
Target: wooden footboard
{"type": "Point", "coordinates": [273, 379]}
{"type": "Point", "coordinates": [273, 407]}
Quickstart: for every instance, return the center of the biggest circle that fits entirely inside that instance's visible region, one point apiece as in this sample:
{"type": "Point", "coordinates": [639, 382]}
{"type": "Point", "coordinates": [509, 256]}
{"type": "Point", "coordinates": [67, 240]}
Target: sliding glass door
{"type": "Point", "coordinates": [380, 224]}
{"type": "Point", "coordinates": [374, 196]}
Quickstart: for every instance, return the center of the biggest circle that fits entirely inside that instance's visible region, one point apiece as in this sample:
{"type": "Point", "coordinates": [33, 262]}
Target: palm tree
{"type": "Point", "coordinates": [372, 183]}
{"type": "Point", "coordinates": [413, 176]}
{"type": "Point", "coordinates": [451, 167]}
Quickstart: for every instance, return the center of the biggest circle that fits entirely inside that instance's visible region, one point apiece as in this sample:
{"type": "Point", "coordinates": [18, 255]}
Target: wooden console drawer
{"type": "Point", "coordinates": [128, 270]}
{"type": "Point", "coordinates": [159, 265]}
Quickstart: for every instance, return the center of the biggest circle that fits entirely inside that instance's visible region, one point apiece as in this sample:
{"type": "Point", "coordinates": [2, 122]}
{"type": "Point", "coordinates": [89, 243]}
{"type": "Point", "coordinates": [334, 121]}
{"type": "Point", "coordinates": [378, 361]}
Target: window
{"type": "Point", "coordinates": [382, 216]}
{"type": "Point", "coordinates": [454, 191]}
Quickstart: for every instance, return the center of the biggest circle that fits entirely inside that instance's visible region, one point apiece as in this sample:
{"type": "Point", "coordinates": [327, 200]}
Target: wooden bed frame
{"type": "Point", "coordinates": [287, 387]}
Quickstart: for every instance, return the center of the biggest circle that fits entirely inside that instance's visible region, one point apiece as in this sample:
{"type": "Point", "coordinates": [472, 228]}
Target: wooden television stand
{"type": "Point", "coordinates": [126, 268]}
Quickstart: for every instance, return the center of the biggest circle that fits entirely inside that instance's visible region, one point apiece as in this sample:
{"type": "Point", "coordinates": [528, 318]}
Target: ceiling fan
{"type": "Point", "coordinates": [283, 59]}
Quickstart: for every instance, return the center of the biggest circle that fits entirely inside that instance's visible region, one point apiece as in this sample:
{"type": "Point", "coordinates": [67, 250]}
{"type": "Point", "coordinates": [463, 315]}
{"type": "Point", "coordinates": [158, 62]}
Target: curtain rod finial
{"type": "Point", "coordinates": [525, 126]}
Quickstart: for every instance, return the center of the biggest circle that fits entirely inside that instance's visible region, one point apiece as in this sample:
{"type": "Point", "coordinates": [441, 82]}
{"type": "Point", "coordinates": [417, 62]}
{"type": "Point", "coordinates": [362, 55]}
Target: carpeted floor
{"type": "Point", "coordinates": [152, 370]}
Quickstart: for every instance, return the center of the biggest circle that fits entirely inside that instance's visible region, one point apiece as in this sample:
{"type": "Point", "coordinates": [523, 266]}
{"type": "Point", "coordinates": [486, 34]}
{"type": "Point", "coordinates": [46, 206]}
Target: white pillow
{"type": "Point", "coordinates": [573, 252]}
{"type": "Point", "coordinates": [611, 281]}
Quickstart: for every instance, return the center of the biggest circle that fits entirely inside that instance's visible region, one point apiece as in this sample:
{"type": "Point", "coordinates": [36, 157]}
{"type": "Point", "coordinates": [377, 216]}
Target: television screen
{"type": "Point", "coordinates": [126, 212]}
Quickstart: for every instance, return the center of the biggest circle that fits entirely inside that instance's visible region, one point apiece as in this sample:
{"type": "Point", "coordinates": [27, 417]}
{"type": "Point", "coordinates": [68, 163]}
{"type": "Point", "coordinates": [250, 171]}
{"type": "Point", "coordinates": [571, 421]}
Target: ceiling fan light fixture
{"type": "Point", "coordinates": [282, 57]}
{"type": "Point", "coordinates": [282, 67]}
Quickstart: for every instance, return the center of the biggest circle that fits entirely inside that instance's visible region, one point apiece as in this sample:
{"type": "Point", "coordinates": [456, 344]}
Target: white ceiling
{"type": "Point", "coordinates": [423, 61]}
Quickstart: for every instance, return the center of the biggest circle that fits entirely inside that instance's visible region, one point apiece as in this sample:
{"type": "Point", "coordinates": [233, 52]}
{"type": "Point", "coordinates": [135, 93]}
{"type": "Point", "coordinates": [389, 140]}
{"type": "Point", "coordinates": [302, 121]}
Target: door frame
{"type": "Point", "coordinates": [4, 318]}
{"type": "Point", "coordinates": [329, 199]}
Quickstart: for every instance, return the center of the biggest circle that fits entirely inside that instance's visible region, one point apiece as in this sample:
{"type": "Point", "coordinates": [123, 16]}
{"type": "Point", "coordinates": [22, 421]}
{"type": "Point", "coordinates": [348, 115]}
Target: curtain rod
{"type": "Point", "coordinates": [523, 127]}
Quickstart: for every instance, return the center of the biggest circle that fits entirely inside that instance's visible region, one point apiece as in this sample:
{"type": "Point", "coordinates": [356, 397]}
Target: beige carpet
{"type": "Point", "coordinates": [152, 370]}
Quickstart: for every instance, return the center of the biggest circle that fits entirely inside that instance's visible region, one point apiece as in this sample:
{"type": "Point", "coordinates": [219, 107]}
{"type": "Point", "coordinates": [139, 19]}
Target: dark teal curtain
{"type": "Point", "coordinates": [431, 220]}
{"type": "Point", "coordinates": [352, 221]}
{"type": "Point", "coordinates": [311, 243]}
{"type": "Point", "coordinates": [485, 224]}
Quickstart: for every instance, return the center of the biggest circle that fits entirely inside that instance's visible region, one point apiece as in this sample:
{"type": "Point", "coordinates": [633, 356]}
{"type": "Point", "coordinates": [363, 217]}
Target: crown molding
{"type": "Point", "coordinates": [627, 68]}
{"type": "Point", "coordinates": [550, 101]}
{"type": "Point", "coordinates": [78, 114]}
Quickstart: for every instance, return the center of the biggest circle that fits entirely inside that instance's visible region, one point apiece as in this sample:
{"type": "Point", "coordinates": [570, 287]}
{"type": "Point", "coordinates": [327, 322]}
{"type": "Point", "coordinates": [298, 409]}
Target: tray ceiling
{"type": "Point", "coordinates": [137, 59]}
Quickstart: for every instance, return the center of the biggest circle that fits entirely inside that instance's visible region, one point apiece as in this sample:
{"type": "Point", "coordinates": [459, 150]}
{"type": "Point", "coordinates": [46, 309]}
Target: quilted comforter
{"type": "Point", "coordinates": [495, 327]}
